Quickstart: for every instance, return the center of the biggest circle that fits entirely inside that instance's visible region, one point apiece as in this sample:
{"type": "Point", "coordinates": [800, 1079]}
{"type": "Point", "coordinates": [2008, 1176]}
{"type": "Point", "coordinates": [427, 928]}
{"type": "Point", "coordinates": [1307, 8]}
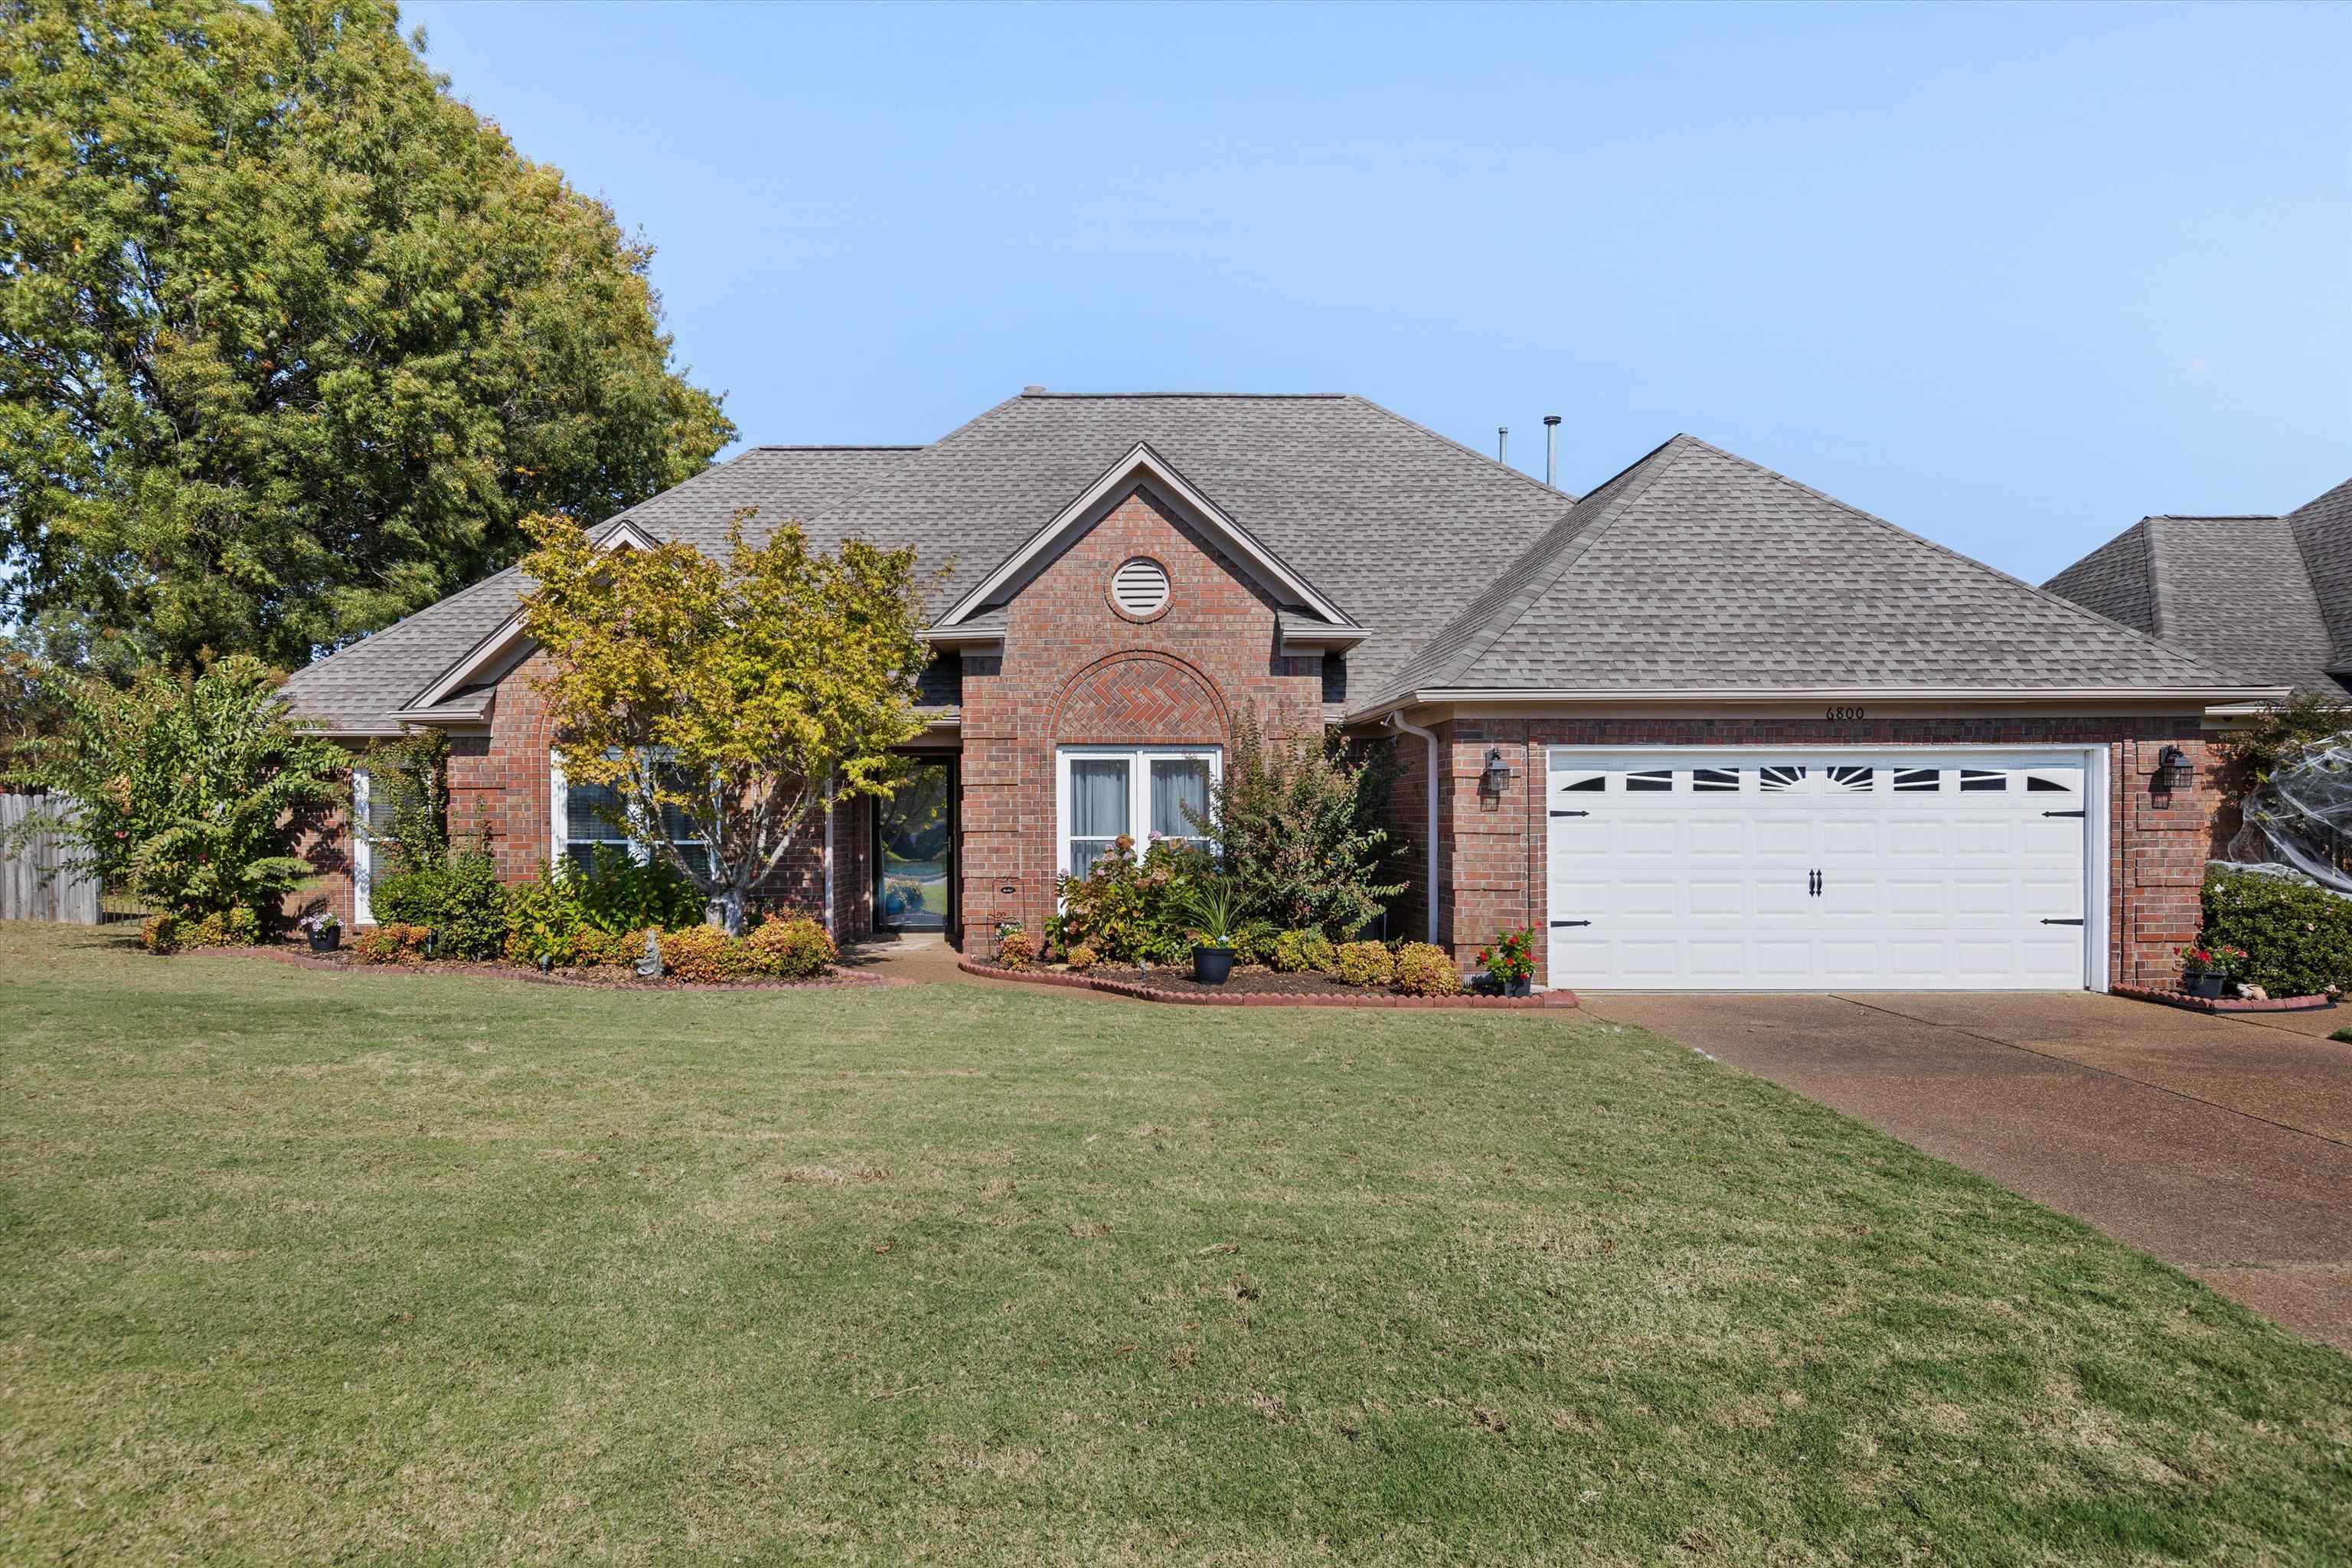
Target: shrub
{"type": "Point", "coordinates": [605, 949]}
{"type": "Point", "coordinates": [1303, 952]}
{"type": "Point", "coordinates": [1016, 950]}
{"type": "Point", "coordinates": [704, 952]}
{"type": "Point", "coordinates": [2298, 938]}
{"type": "Point", "coordinates": [1254, 944]}
{"type": "Point", "coordinates": [543, 920]}
{"type": "Point", "coordinates": [1364, 963]}
{"type": "Point", "coordinates": [408, 898]}
{"type": "Point", "coordinates": [1083, 958]}
{"type": "Point", "coordinates": [194, 790]}
{"type": "Point", "coordinates": [461, 898]}
{"type": "Point", "coordinates": [1512, 958]}
{"type": "Point", "coordinates": [1424, 969]}
{"type": "Point", "coordinates": [791, 947]}
{"type": "Point", "coordinates": [1127, 908]}
{"type": "Point", "coordinates": [160, 933]}
{"type": "Point", "coordinates": [615, 894]}
{"type": "Point", "coordinates": [1298, 826]}
{"type": "Point", "coordinates": [391, 942]}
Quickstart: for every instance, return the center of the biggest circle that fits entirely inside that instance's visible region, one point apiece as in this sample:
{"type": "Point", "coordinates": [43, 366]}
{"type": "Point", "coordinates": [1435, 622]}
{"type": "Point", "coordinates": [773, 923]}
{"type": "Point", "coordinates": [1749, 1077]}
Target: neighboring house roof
{"type": "Point", "coordinates": [1695, 571]}
{"type": "Point", "coordinates": [358, 689]}
{"type": "Point", "coordinates": [2264, 599]}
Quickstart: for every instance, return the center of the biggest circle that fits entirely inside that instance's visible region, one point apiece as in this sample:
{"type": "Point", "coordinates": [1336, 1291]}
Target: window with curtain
{"type": "Point", "coordinates": [1145, 793]}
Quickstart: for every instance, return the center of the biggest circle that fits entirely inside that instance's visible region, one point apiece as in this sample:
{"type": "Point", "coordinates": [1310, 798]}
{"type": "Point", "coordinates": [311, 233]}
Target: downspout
{"type": "Point", "coordinates": [828, 867]}
{"type": "Point", "coordinates": [1397, 721]}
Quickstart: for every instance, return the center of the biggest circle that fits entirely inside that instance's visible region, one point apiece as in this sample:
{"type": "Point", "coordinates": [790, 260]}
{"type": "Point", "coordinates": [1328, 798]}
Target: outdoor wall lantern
{"type": "Point", "coordinates": [1495, 776]}
{"type": "Point", "coordinates": [2173, 770]}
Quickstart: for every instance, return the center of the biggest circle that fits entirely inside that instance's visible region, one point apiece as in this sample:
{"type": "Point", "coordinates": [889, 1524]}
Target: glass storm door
{"type": "Point", "coordinates": [914, 863]}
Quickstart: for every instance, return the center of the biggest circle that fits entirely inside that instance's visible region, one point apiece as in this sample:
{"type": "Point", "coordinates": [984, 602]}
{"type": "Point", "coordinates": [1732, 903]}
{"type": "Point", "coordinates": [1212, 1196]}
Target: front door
{"type": "Point", "coordinates": [914, 858]}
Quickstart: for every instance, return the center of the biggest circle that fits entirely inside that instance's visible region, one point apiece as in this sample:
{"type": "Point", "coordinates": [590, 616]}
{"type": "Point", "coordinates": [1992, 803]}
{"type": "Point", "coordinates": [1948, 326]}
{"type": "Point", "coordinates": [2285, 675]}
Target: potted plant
{"type": "Point", "coordinates": [2205, 969]}
{"type": "Point", "coordinates": [325, 932]}
{"type": "Point", "coordinates": [1511, 961]}
{"type": "Point", "coordinates": [1208, 905]}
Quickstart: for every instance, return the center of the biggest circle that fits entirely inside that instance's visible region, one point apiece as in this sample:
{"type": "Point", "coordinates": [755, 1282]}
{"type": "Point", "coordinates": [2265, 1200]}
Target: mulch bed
{"type": "Point", "coordinates": [343, 961]}
{"type": "Point", "coordinates": [2223, 1003]}
{"type": "Point", "coordinates": [1250, 988]}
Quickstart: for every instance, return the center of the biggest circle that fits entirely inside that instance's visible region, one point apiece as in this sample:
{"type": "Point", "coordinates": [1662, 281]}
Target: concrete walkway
{"type": "Point", "coordinates": [2222, 1144]}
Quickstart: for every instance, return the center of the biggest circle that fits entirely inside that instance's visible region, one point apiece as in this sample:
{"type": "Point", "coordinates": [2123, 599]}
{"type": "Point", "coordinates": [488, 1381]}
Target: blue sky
{"type": "Point", "coordinates": [2011, 277]}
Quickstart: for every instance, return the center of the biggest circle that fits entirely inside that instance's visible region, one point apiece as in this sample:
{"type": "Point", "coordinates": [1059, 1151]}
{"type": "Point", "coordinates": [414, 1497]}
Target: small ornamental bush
{"type": "Point", "coordinates": [1424, 969]}
{"type": "Point", "coordinates": [1126, 909]}
{"type": "Point", "coordinates": [615, 894]}
{"type": "Point", "coordinates": [161, 933]}
{"type": "Point", "coordinates": [791, 947]}
{"type": "Point", "coordinates": [1512, 958]}
{"type": "Point", "coordinates": [605, 949]}
{"type": "Point", "coordinates": [222, 928]}
{"type": "Point", "coordinates": [1302, 953]}
{"type": "Point", "coordinates": [543, 920]}
{"type": "Point", "coordinates": [1364, 963]}
{"type": "Point", "coordinates": [2297, 938]}
{"type": "Point", "coordinates": [1083, 958]}
{"type": "Point", "coordinates": [704, 953]}
{"type": "Point", "coordinates": [1016, 950]}
{"type": "Point", "coordinates": [391, 942]}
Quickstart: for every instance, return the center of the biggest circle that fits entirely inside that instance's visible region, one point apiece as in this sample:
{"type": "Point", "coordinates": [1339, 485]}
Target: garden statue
{"type": "Point", "coordinates": [649, 967]}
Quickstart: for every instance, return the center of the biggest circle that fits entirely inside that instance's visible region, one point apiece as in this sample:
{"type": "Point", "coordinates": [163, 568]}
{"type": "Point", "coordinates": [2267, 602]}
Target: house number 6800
{"type": "Point", "coordinates": [1836, 713]}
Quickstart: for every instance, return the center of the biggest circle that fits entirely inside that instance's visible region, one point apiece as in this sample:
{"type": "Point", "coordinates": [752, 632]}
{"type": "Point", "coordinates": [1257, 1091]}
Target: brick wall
{"type": "Point", "coordinates": [1492, 849]}
{"type": "Point", "coordinates": [1075, 670]}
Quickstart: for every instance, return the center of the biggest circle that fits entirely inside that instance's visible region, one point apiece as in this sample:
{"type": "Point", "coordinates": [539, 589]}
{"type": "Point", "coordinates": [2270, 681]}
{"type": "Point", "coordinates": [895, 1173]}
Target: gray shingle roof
{"type": "Point", "coordinates": [2266, 600]}
{"type": "Point", "coordinates": [2323, 532]}
{"type": "Point", "coordinates": [1696, 569]}
{"type": "Point", "coordinates": [357, 690]}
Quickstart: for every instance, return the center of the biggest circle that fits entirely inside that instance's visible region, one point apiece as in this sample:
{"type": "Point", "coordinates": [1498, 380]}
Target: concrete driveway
{"type": "Point", "coordinates": [2221, 1144]}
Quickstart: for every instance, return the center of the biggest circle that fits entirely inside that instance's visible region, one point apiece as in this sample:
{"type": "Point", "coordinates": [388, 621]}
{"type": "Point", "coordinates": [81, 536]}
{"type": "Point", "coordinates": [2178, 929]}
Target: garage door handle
{"type": "Point", "coordinates": [1558, 923]}
{"type": "Point", "coordinates": [2061, 922]}
{"type": "Point", "coordinates": [2061, 814]}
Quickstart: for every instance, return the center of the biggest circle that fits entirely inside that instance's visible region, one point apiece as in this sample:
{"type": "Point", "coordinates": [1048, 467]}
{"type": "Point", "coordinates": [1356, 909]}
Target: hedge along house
{"type": "Point", "coordinates": [1704, 727]}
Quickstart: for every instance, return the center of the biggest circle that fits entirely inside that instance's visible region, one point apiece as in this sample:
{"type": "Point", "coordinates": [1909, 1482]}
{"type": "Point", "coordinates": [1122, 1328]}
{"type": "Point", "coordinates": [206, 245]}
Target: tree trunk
{"type": "Point", "coordinates": [730, 909]}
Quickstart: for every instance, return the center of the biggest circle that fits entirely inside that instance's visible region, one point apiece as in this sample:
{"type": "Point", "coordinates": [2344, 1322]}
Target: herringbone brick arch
{"type": "Point", "coordinates": [1139, 699]}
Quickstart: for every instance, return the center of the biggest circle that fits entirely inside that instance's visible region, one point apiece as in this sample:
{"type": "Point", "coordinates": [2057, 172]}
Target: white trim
{"type": "Point", "coordinates": [1141, 463]}
{"type": "Point", "coordinates": [1138, 789]}
{"type": "Point", "coordinates": [2095, 760]}
{"type": "Point", "coordinates": [1668, 697]}
{"type": "Point", "coordinates": [363, 848]}
{"type": "Point", "coordinates": [830, 807]}
{"type": "Point", "coordinates": [559, 812]}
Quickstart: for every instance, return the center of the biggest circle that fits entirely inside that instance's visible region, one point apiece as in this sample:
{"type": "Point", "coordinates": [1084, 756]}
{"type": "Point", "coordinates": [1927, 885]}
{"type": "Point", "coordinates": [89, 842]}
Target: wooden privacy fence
{"type": "Point", "coordinates": [32, 885]}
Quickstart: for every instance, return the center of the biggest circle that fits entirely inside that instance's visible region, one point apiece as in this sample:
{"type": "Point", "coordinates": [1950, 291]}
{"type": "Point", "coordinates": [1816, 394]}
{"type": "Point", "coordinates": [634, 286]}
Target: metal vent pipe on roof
{"type": "Point", "coordinates": [1502, 443]}
{"type": "Point", "coordinates": [1552, 451]}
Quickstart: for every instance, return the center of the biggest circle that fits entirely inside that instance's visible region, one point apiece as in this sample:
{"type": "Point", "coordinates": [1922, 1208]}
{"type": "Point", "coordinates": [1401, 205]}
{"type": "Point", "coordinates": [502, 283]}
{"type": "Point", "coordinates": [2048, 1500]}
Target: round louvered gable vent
{"type": "Point", "coordinates": [1139, 588]}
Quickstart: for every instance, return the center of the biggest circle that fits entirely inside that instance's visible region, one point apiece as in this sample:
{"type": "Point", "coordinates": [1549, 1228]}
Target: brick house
{"type": "Point", "coordinates": [1703, 726]}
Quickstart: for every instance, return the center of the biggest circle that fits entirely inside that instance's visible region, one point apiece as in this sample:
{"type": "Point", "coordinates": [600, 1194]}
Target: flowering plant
{"type": "Point", "coordinates": [2217, 958]}
{"type": "Point", "coordinates": [313, 925]}
{"type": "Point", "coordinates": [1512, 957]}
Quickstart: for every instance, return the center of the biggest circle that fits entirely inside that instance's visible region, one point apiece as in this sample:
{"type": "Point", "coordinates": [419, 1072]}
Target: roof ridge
{"type": "Point", "coordinates": [2151, 558]}
{"type": "Point", "coordinates": [830, 447]}
{"type": "Point", "coordinates": [1193, 396]}
{"type": "Point", "coordinates": [2215, 517]}
{"type": "Point", "coordinates": [2077, 611]}
{"type": "Point", "coordinates": [1525, 478]}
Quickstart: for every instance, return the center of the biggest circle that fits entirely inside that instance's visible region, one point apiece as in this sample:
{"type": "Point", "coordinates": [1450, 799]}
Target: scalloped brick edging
{"type": "Point", "coordinates": [302, 958]}
{"type": "Point", "coordinates": [1261, 998]}
{"type": "Point", "coordinates": [2223, 1003]}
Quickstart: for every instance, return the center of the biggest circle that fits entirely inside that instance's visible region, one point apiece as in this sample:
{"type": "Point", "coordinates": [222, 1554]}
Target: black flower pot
{"type": "Point", "coordinates": [2208, 984]}
{"type": "Point", "coordinates": [326, 941]}
{"type": "Point", "coordinates": [1524, 986]}
{"type": "Point", "coordinates": [1213, 965]}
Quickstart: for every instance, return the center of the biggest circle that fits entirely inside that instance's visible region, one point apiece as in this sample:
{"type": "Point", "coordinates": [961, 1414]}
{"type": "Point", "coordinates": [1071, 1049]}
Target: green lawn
{"type": "Point", "coordinates": [300, 1268]}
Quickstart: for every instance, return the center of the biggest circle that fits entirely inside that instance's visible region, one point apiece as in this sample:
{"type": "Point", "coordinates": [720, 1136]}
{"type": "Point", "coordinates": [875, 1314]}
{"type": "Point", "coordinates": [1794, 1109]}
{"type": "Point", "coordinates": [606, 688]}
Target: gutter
{"type": "Point", "coordinates": [1397, 721]}
{"type": "Point", "coordinates": [2201, 696]}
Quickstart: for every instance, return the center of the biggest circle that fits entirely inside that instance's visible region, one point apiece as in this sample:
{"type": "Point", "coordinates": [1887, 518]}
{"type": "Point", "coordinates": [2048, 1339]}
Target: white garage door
{"type": "Point", "coordinates": [1815, 871]}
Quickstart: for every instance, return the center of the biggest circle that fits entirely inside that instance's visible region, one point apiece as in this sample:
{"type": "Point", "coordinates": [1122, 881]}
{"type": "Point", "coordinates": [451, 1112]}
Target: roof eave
{"type": "Point", "coordinates": [2200, 697]}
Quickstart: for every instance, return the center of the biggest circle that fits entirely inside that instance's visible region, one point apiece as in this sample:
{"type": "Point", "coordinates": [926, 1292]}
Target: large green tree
{"type": "Point", "coordinates": [290, 338]}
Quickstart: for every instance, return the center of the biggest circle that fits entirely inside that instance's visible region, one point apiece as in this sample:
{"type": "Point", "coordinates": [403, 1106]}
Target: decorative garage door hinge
{"type": "Point", "coordinates": [1571, 814]}
{"type": "Point", "coordinates": [1571, 923]}
{"type": "Point", "coordinates": [2061, 814]}
{"type": "Point", "coordinates": [2058, 923]}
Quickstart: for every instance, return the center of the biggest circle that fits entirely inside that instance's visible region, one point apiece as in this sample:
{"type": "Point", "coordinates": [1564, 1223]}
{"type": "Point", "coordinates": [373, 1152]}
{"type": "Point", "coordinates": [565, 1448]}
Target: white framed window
{"type": "Point", "coordinates": [588, 815]}
{"type": "Point", "coordinates": [369, 833]}
{"type": "Point", "coordinates": [1145, 793]}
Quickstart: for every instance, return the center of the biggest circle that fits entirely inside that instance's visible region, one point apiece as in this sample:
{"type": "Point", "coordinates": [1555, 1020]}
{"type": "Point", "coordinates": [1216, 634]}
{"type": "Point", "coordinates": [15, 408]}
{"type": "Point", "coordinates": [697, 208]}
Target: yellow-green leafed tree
{"type": "Point", "coordinates": [730, 701]}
